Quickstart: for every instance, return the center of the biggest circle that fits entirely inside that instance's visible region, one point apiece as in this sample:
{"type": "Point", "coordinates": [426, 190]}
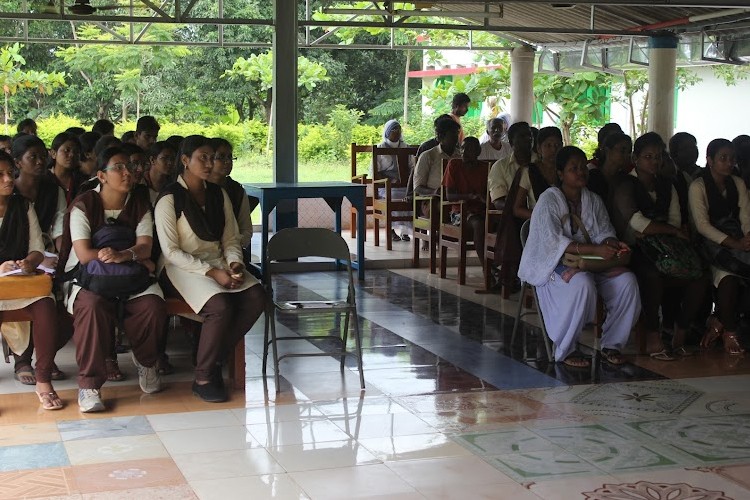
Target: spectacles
{"type": "Point", "coordinates": [225, 159]}
{"type": "Point", "coordinates": [121, 167]}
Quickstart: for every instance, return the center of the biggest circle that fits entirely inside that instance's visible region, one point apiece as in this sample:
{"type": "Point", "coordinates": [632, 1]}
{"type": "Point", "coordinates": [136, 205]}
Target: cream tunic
{"type": "Point", "coordinates": [187, 258]}
{"type": "Point", "coordinates": [17, 334]}
{"type": "Point", "coordinates": [80, 229]}
{"type": "Point", "coordinates": [698, 201]}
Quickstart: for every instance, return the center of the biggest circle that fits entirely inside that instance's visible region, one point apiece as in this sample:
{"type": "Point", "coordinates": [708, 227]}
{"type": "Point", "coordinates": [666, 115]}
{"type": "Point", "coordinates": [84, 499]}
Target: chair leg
{"type": "Point", "coordinates": [377, 231]}
{"type": "Point", "coordinates": [388, 226]}
{"type": "Point", "coordinates": [353, 224]}
{"type": "Point", "coordinates": [415, 250]}
{"type": "Point", "coordinates": [358, 342]}
{"type": "Point", "coordinates": [344, 338]}
{"type": "Point", "coordinates": [462, 264]}
{"type": "Point", "coordinates": [518, 315]}
{"type": "Point", "coordinates": [266, 328]}
{"type": "Point", "coordinates": [433, 253]}
{"type": "Point", "coordinates": [547, 342]}
{"type": "Point", "coordinates": [443, 260]}
{"type": "Point", "coordinates": [275, 352]}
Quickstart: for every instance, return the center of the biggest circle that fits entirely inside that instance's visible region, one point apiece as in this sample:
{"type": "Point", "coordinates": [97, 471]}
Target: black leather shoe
{"type": "Point", "coordinates": [210, 393]}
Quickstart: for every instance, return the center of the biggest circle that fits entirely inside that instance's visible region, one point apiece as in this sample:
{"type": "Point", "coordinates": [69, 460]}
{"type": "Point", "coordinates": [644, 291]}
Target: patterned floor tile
{"type": "Point", "coordinates": [71, 430]}
{"type": "Point", "coordinates": [637, 398]}
{"type": "Point", "coordinates": [127, 475]}
{"type": "Point", "coordinates": [118, 449]}
{"type": "Point", "coordinates": [707, 439]}
{"type": "Point", "coordinates": [699, 483]}
{"type": "Point", "coordinates": [13, 435]}
{"type": "Point", "coordinates": [542, 465]}
{"type": "Point", "coordinates": [33, 456]}
{"type": "Point", "coordinates": [179, 492]}
{"type": "Point", "coordinates": [608, 449]}
{"type": "Point", "coordinates": [33, 483]}
{"type": "Point", "coordinates": [506, 441]}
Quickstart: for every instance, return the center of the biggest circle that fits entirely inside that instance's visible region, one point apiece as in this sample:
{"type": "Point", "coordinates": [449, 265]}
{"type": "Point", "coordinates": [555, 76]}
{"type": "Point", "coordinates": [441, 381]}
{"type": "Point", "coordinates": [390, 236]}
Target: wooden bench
{"type": "Point", "coordinates": [174, 307]}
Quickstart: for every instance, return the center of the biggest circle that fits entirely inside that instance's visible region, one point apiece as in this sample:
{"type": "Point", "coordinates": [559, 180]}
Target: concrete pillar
{"type": "Point", "coordinates": [521, 84]}
{"type": "Point", "coordinates": [662, 79]}
{"type": "Point", "coordinates": [285, 105]}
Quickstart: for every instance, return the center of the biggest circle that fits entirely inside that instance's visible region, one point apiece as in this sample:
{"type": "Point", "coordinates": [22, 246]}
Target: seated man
{"type": "Point", "coordinates": [495, 148]}
{"type": "Point", "coordinates": [428, 174]}
{"type": "Point", "coordinates": [503, 171]}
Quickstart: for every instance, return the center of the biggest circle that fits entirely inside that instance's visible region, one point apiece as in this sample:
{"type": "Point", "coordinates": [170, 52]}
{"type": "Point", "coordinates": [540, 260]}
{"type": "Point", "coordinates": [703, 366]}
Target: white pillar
{"type": "Point", "coordinates": [521, 84]}
{"type": "Point", "coordinates": [662, 79]}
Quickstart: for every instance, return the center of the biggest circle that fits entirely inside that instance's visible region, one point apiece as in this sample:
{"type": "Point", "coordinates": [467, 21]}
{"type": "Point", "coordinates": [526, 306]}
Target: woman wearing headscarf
{"type": "Point", "coordinates": [388, 167]}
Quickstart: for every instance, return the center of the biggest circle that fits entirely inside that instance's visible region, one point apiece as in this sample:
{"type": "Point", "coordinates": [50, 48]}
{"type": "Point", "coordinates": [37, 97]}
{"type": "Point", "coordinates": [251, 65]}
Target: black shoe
{"type": "Point", "coordinates": [210, 393]}
{"type": "Point", "coordinates": [217, 376]}
{"type": "Point", "coordinates": [394, 236]}
{"type": "Point", "coordinates": [405, 237]}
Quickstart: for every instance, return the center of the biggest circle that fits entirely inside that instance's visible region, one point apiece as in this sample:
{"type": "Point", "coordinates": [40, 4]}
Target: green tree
{"type": "Point", "coordinates": [13, 77]}
{"type": "Point", "coordinates": [122, 65]}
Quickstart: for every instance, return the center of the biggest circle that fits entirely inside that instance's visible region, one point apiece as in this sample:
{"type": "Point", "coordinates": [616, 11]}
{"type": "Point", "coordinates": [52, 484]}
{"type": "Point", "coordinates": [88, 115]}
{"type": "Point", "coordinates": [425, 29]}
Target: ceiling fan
{"type": "Point", "coordinates": [84, 7]}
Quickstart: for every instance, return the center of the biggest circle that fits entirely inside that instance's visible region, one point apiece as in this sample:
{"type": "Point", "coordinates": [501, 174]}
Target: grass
{"type": "Point", "coordinates": [259, 168]}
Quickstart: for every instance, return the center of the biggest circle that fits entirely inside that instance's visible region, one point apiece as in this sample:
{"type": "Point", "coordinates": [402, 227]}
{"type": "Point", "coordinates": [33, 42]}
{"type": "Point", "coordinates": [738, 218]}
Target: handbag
{"type": "Point", "coordinates": [590, 263]}
{"type": "Point", "coordinates": [734, 261]}
{"type": "Point", "coordinates": [25, 286]}
{"type": "Point", "coordinates": [673, 256]}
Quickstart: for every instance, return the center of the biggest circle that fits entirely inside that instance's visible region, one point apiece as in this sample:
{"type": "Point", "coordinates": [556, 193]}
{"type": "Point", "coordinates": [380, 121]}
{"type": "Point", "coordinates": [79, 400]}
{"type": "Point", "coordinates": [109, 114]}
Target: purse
{"type": "Point", "coordinates": [590, 263]}
{"type": "Point", "coordinates": [672, 256]}
{"type": "Point", "coordinates": [25, 286]}
{"type": "Point", "coordinates": [736, 262]}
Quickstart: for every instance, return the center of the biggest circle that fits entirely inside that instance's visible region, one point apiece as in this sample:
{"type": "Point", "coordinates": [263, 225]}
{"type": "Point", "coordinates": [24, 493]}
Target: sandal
{"type": "Point", "coordinates": [732, 344]}
{"type": "Point", "coordinates": [612, 356]}
{"type": "Point", "coordinates": [662, 355]}
{"type": "Point", "coordinates": [25, 375]}
{"type": "Point", "coordinates": [57, 374]}
{"type": "Point", "coordinates": [714, 329]}
{"type": "Point", "coordinates": [50, 400]}
{"type": "Point", "coordinates": [577, 360]}
{"type": "Point", "coordinates": [394, 236]}
{"type": "Point", "coordinates": [113, 371]}
{"type": "Point", "coordinates": [683, 352]}
{"type": "Point", "coordinates": [405, 237]}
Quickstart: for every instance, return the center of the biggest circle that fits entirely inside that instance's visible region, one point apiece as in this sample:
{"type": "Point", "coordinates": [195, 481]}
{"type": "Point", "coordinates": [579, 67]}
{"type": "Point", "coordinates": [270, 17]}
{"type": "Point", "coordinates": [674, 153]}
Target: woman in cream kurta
{"type": "Point", "coordinates": [25, 253]}
{"type": "Point", "coordinates": [204, 264]}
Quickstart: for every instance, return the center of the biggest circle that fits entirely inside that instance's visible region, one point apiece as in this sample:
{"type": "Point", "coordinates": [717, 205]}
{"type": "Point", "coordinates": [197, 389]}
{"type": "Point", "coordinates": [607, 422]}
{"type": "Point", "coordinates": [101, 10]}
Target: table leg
{"type": "Point", "coordinates": [361, 228]}
{"type": "Point", "coordinates": [335, 204]}
{"type": "Point", "coordinates": [265, 214]}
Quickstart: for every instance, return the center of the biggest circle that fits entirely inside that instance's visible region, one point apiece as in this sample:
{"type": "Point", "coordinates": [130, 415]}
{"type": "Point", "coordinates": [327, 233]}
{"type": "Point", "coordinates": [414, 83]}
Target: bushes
{"type": "Point", "coordinates": [48, 128]}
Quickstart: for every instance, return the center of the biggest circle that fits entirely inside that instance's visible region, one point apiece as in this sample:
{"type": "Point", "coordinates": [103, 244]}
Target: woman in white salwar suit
{"type": "Point", "coordinates": [567, 296]}
{"type": "Point", "coordinates": [202, 262]}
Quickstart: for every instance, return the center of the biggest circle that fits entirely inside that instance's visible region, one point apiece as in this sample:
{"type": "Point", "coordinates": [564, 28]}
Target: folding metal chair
{"type": "Point", "coordinates": [524, 287]}
{"type": "Point", "coordinates": [294, 243]}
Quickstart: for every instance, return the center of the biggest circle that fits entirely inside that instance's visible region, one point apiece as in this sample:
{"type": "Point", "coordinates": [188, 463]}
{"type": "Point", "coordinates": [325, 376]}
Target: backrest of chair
{"type": "Point", "coordinates": [525, 232]}
{"type": "Point", "coordinates": [296, 242]}
{"type": "Point", "coordinates": [358, 148]}
{"type": "Point", "coordinates": [403, 157]}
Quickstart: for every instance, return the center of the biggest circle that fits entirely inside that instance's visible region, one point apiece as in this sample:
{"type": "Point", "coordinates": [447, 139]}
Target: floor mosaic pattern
{"type": "Point", "coordinates": [451, 410]}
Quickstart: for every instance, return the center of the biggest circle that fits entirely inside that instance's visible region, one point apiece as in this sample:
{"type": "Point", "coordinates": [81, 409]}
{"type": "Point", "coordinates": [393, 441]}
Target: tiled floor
{"type": "Point", "coordinates": [450, 411]}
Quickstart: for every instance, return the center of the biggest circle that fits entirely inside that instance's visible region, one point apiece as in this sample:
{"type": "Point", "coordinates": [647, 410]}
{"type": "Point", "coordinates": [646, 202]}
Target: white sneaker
{"type": "Point", "coordinates": [148, 378]}
{"type": "Point", "coordinates": [90, 400]}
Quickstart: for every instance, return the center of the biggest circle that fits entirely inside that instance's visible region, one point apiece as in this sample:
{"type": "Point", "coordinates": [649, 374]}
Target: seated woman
{"type": "Point", "coordinates": [388, 167]}
{"type": "Point", "coordinates": [223, 163]}
{"type": "Point", "coordinates": [567, 296]}
{"type": "Point", "coordinates": [613, 160]}
{"type": "Point", "coordinates": [535, 178]}
{"type": "Point", "coordinates": [466, 179]}
{"type": "Point", "coordinates": [202, 262]}
{"type": "Point", "coordinates": [65, 154]}
{"type": "Point", "coordinates": [647, 204]}
{"type": "Point", "coordinates": [113, 211]}
{"type": "Point", "coordinates": [720, 209]}
{"type": "Point", "coordinates": [21, 247]}
{"type": "Point", "coordinates": [38, 186]}
{"type": "Point", "coordinates": [161, 158]}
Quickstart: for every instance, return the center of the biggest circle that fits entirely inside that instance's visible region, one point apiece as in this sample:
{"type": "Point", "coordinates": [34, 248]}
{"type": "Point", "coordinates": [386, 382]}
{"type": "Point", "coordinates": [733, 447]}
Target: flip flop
{"type": "Point", "coordinates": [50, 401]}
{"type": "Point", "coordinates": [613, 357]}
{"type": "Point", "coordinates": [662, 355]}
{"type": "Point", "coordinates": [26, 376]}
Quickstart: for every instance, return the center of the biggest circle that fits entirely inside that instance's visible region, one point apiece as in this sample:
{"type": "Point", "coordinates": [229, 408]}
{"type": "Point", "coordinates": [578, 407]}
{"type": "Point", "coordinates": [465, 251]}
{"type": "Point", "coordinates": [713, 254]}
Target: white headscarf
{"type": "Point", "coordinates": [387, 129]}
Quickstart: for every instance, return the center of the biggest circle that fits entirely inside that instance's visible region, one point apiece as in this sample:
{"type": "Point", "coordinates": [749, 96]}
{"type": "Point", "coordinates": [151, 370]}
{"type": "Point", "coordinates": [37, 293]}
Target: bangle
{"type": "Point", "coordinates": [132, 252]}
{"type": "Point", "coordinates": [578, 248]}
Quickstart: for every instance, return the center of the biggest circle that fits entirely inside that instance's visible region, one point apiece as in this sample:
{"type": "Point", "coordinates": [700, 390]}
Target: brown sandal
{"type": "Point", "coordinates": [50, 400]}
{"type": "Point", "coordinates": [113, 371]}
{"type": "Point", "coordinates": [714, 329]}
{"type": "Point", "coordinates": [732, 344]}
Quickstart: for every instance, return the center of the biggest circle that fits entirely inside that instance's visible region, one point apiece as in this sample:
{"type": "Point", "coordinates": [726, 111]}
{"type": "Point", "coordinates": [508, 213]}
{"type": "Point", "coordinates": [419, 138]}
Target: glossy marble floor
{"type": "Point", "coordinates": [451, 410]}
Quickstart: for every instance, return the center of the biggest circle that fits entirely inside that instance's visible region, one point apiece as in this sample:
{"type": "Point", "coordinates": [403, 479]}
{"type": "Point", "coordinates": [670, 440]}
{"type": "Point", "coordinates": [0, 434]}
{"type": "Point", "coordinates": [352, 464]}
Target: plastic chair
{"type": "Point", "coordinates": [524, 287]}
{"type": "Point", "coordinates": [294, 243]}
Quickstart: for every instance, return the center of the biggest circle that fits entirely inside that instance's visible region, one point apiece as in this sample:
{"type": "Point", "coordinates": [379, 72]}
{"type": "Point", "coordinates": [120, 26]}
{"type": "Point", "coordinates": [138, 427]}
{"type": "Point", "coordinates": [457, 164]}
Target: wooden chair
{"type": "Point", "coordinates": [459, 238]}
{"type": "Point", "coordinates": [492, 218]}
{"type": "Point", "coordinates": [384, 207]}
{"type": "Point", "coordinates": [360, 179]}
